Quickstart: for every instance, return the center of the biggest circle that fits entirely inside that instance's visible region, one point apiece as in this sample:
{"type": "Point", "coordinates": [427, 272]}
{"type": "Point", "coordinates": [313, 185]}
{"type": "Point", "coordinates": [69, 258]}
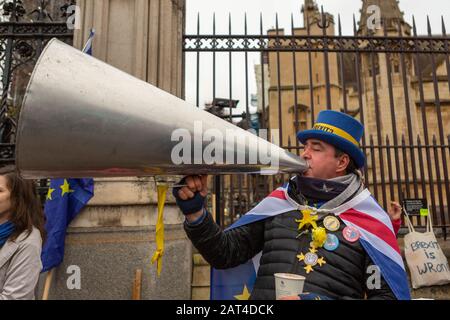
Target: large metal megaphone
{"type": "Point", "coordinates": [84, 118]}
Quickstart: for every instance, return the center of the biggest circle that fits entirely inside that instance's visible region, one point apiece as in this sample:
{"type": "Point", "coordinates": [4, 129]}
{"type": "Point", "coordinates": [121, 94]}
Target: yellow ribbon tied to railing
{"type": "Point", "coordinates": [157, 256]}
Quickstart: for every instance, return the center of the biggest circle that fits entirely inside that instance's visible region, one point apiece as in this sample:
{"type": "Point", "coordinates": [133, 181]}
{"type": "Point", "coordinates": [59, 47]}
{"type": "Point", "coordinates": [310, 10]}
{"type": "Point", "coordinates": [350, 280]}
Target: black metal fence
{"type": "Point", "coordinates": [25, 28]}
{"type": "Point", "coordinates": [394, 81]}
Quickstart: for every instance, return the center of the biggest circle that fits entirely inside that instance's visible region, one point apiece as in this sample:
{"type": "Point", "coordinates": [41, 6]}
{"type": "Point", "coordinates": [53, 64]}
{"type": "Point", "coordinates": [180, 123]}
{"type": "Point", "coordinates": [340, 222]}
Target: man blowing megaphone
{"type": "Point", "coordinates": [322, 224]}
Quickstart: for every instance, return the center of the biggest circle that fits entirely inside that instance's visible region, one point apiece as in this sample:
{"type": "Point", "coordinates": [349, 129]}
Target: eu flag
{"type": "Point", "coordinates": [233, 284]}
{"type": "Point", "coordinates": [65, 199]}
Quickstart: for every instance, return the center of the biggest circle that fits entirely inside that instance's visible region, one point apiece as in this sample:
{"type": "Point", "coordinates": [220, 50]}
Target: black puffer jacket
{"type": "Point", "coordinates": [344, 276]}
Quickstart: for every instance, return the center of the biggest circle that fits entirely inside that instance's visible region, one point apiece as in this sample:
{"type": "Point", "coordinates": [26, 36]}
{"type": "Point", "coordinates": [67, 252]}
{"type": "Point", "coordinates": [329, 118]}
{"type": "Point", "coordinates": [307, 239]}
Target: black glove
{"type": "Point", "coordinates": [189, 206]}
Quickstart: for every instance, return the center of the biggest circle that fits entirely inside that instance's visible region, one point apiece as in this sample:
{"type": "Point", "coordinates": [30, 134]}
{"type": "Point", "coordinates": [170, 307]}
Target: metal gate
{"type": "Point", "coordinates": [25, 28]}
{"type": "Point", "coordinates": [394, 81]}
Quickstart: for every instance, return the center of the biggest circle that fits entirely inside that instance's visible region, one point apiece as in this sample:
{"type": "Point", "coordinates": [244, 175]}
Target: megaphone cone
{"type": "Point", "coordinates": [84, 118]}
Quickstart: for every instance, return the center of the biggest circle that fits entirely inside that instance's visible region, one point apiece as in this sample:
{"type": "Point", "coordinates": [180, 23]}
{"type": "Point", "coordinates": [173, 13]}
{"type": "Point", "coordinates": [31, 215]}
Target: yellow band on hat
{"type": "Point", "coordinates": [337, 131]}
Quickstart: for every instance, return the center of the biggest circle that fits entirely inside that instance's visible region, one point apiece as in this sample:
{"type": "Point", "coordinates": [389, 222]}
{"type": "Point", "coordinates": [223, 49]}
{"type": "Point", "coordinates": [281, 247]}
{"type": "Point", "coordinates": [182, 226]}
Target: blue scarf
{"type": "Point", "coordinates": [6, 229]}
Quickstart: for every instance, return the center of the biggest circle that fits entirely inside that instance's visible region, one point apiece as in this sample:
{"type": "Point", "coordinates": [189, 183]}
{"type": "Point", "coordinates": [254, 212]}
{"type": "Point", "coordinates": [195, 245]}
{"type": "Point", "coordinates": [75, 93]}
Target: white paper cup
{"type": "Point", "coordinates": [288, 284]}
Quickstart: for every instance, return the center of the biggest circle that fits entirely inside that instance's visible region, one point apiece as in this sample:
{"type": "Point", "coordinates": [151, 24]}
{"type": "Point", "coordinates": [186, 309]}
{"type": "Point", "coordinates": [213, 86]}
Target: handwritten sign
{"type": "Point", "coordinates": [426, 261]}
{"type": "Point", "coordinates": [431, 262]}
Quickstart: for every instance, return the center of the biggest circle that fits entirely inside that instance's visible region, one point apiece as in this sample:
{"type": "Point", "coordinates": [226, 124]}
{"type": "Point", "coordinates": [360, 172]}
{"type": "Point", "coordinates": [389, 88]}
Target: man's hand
{"type": "Point", "coordinates": [191, 198]}
{"type": "Point", "coordinates": [194, 184]}
{"type": "Point", "coordinates": [290, 298]}
{"type": "Point", "coordinates": [395, 211]}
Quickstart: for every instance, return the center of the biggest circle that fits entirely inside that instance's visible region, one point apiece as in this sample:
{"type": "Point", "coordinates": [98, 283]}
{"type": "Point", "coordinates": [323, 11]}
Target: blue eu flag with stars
{"type": "Point", "coordinates": [65, 199]}
{"type": "Point", "coordinates": [233, 284]}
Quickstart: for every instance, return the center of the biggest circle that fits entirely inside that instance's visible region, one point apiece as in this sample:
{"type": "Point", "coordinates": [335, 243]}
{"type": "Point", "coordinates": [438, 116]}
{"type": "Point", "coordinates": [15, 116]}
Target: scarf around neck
{"type": "Point", "coordinates": [6, 229]}
{"type": "Point", "coordinates": [328, 194]}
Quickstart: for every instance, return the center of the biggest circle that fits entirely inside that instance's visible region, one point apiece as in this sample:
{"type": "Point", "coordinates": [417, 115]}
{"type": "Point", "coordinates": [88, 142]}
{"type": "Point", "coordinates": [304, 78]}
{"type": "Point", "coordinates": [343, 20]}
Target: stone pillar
{"type": "Point", "coordinates": [141, 37]}
{"type": "Point", "coordinates": [115, 234]}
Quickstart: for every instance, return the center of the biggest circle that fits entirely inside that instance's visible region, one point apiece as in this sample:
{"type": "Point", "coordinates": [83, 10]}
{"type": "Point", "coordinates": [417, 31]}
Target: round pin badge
{"type": "Point", "coordinates": [351, 234]}
{"type": "Point", "coordinates": [311, 259]}
{"type": "Point", "coordinates": [332, 242]}
{"type": "Point", "coordinates": [331, 223]}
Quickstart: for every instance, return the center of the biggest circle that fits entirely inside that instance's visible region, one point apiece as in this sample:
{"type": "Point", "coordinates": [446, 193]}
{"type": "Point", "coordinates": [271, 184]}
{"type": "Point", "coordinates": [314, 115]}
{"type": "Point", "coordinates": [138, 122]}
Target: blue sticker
{"type": "Point", "coordinates": [332, 242]}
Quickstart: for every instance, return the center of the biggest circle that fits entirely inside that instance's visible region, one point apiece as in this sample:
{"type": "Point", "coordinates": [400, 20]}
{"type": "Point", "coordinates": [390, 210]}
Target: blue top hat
{"type": "Point", "coordinates": [341, 131]}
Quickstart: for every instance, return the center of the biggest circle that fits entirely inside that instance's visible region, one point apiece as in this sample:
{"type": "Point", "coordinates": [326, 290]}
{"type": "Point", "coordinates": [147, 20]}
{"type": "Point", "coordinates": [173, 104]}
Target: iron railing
{"type": "Point", "coordinates": [25, 28]}
{"type": "Point", "coordinates": [408, 160]}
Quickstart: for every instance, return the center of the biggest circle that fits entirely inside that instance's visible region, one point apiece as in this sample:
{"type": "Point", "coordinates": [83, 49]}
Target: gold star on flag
{"type": "Point", "coordinates": [245, 295]}
{"type": "Point", "coordinates": [65, 188]}
{"type": "Point", "coordinates": [49, 193]}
